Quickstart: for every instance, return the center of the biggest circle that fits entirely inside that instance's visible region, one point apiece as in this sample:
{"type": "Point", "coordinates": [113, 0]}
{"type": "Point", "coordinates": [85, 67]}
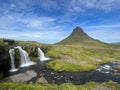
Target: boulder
{"type": "Point", "coordinates": [21, 77]}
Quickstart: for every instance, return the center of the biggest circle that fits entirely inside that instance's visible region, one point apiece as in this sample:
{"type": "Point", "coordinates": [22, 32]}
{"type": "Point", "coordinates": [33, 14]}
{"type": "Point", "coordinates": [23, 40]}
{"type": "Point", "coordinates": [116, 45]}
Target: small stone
{"type": "Point", "coordinates": [41, 80]}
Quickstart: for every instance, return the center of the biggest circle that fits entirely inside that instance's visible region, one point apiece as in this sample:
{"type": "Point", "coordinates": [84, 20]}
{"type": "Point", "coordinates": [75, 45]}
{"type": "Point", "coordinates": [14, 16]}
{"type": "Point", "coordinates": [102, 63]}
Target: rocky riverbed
{"type": "Point", "coordinates": [112, 68]}
{"type": "Point", "coordinates": [39, 73]}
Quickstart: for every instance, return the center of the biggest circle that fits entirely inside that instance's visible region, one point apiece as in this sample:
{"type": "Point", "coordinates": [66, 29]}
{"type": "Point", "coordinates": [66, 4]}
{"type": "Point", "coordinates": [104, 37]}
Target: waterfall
{"type": "Point", "coordinates": [24, 60]}
{"type": "Point", "coordinates": [41, 55]}
{"type": "Point", "coordinates": [11, 52]}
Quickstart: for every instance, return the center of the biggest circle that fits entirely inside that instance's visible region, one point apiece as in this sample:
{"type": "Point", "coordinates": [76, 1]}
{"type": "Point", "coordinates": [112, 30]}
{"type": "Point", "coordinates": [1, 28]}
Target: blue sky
{"type": "Point", "coordinates": [49, 21]}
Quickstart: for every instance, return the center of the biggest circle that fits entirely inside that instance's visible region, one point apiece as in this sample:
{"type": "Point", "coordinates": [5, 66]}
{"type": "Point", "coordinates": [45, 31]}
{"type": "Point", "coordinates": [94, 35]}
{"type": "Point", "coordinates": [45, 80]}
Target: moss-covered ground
{"type": "Point", "coordinates": [66, 86]}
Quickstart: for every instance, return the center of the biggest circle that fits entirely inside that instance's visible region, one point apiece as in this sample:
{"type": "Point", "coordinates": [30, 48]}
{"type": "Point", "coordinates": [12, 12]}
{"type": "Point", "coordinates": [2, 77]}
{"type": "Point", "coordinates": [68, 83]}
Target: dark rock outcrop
{"type": "Point", "coordinates": [10, 42]}
{"type": "Point", "coordinates": [4, 59]}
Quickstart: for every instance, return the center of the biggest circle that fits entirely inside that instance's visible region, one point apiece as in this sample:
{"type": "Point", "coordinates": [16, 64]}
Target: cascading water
{"type": "Point", "coordinates": [11, 52]}
{"type": "Point", "coordinates": [24, 60]}
{"type": "Point", "coordinates": [41, 55]}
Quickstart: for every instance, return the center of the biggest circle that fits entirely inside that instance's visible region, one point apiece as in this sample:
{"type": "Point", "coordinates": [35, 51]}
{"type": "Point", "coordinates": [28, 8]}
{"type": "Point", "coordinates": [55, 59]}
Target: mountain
{"type": "Point", "coordinates": [116, 43]}
{"type": "Point", "coordinates": [78, 36]}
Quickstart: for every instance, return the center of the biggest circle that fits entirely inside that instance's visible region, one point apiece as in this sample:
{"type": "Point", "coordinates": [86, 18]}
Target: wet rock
{"type": "Point", "coordinates": [21, 77]}
{"type": "Point", "coordinates": [41, 80]}
{"type": "Point", "coordinates": [118, 66]}
{"type": "Point", "coordinates": [104, 69]}
{"type": "Point", "coordinates": [52, 73]}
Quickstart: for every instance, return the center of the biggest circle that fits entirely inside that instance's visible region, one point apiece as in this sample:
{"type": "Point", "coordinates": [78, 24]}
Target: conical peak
{"type": "Point", "coordinates": [78, 28]}
{"type": "Point", "coordinates": [78, 36]}
{"type": "Point", "coordinates": [78, 31]}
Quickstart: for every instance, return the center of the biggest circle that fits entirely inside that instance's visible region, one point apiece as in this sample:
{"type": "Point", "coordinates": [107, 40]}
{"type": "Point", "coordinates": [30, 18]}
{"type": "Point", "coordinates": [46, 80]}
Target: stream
{"type": "Point", "coordinates": [101, 74]}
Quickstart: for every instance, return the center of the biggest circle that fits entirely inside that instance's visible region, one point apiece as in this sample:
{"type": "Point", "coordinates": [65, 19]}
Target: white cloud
{"type": "Point", "coordinates": [19, 20]}
{"type": "Point", "coordinates": [105, 33]}
{"type": "Point", "coordinates": [103, 26]}
{"type": "Point", "coordinates": [37, 22]}
{"type": "Point", "coordinates": [42, 36]}
{"type": "Point", "coordinates": [48, 4]}
{"type": "Point", "coordinates": [104, 5]}
{"type": "Point", "coordinates": [28, 6]}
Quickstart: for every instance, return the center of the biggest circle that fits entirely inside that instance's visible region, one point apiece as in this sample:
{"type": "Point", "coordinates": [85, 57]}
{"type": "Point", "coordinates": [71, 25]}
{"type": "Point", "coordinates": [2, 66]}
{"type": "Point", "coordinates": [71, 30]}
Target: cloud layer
{"type": "Point", "coordinates": [50, 21]}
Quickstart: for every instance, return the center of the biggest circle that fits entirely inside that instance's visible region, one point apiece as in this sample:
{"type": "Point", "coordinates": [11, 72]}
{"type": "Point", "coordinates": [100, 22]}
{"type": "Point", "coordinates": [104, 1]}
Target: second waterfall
{"type": "Point", "coordinates": [24, 58]}
{"type": "Point", "coordinates": [41, 55]}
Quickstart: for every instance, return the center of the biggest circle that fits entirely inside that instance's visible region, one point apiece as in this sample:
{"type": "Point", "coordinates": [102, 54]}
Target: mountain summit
{"type": "Point", "coordinates": [78, 36]}
{"type": "Point", "coordinates": [78, 33]}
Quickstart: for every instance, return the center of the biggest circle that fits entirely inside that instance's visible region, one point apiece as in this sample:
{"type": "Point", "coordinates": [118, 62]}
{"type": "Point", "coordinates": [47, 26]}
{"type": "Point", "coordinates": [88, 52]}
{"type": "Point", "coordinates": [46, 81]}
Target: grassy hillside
{"type": "Point", "coordinates": [80, 58]}
{"type": "Point", "coordinates": [66, 86]}
{"type": "Point", "coordinates": [79, 52]}
{"type": "Point", "coordinates": [30, 43]}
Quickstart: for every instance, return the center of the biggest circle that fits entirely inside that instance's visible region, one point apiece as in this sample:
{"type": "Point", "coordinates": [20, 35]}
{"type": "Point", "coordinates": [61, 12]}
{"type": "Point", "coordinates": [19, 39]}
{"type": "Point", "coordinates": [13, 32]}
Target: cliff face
{"type": "Point", "coordinates": [4, 59]}
{"type": "Point", "coordinates": [5, 46]}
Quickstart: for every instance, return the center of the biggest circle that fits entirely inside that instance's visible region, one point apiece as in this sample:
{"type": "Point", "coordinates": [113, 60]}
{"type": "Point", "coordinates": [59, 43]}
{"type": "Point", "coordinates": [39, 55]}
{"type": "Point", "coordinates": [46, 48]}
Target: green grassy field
{"type": "Point", "coordinates": [81, 58]}
{"type": "Point", "coordinates": [66, 86]}
{"type": "Point", "coordinates": [80, 52]}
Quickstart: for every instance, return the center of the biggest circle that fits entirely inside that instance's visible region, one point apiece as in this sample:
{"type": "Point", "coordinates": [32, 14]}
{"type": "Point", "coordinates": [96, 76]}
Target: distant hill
{"type": "Point", "coordinates": [78, 36]}
{"type": "Point", "coordinates": [116, 43]}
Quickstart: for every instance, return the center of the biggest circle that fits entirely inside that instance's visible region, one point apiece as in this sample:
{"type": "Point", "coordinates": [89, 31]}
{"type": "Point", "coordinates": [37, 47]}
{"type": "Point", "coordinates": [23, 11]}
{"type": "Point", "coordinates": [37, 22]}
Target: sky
{"type": "Point", "coordinates": [50, 21]}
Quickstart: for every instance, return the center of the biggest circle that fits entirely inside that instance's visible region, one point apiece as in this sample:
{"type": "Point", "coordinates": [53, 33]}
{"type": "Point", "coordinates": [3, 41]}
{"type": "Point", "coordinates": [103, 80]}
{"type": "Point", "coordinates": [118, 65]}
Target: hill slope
{"type": "Point", "coordinates": [78, 36]}
{"type": "Point", "coordinates": [80, 52]}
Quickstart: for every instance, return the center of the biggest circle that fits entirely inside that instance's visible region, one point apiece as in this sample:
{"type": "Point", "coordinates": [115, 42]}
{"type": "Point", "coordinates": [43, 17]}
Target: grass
{"type": "Point", "coordinates": [66, 86]}
{"type": "Point", "coordinates": [29, 43]}
{"type": "Point", "coordinates": [80, 58]}
{"type": "Point", "coordinates": [59, 65]}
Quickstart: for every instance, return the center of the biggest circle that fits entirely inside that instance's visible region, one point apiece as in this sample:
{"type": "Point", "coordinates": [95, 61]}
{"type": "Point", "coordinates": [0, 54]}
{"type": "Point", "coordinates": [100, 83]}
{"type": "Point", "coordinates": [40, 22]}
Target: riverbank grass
{"type": "Point", "coordinates": [66, 86]}
{"type": "Point", "coordinates": [59, 65]}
